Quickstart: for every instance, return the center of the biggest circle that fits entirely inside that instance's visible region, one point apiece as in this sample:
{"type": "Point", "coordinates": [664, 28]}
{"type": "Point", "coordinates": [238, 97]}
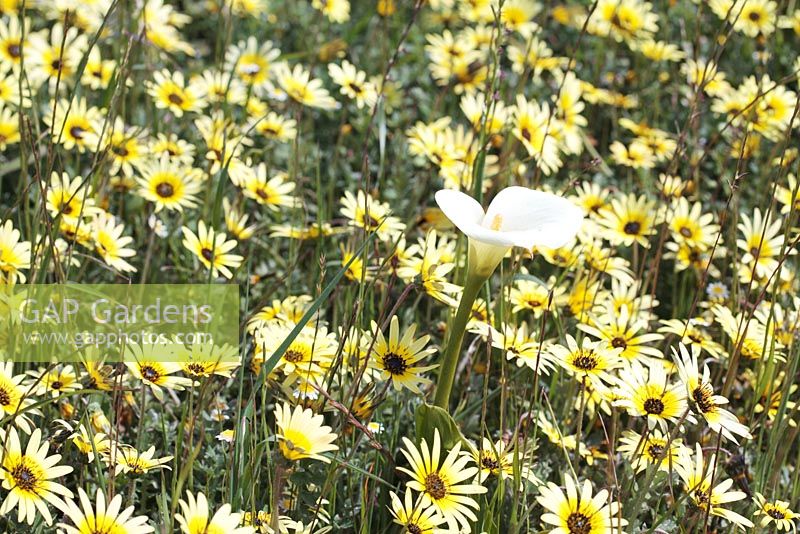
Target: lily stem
{"type": "Point", "coordinates": [455, 339]}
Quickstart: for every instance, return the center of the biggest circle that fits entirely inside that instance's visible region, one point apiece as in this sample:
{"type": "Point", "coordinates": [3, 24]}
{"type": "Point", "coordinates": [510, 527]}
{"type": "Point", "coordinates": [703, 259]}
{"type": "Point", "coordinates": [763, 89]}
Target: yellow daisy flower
{"type": "Point", "coordinates": [698, 476]}
{"type": "Point", "coordinates": [777, 512]}
{"type": "Point", "coordinates": [169, 185]}
{"type": "Point", "coordinates": [703, 399]}
{"type": "Point", "coordinates": [174, 148]}
{"type": "Point", "coordinates": [274, 126]}
{"type": "Point", "coordinates": [98, 443]}
{"type": "Point", "coordinates": [54, 56]}
{"type": "Point", "coordinates": [274, 192]}
{"type": "Point", "coordinates": [9, 127]}
{"type": "Point", "coordinates": [212, 249]}
{"type": "Point", "coordinates": [202, 360]}
{"type": "Point", "coordinates": [621, 331]}
{"type": "Point", "coordinates": [398, 357]}
{"type": "Point", "coordinates": [588, 361]}
{"type": "Point", "coordinates": [75, 124]}
{"type": "Point", "coordinates": [364, 211]}
{"type": "Point", "coordinates": [578, 511]}
{"type": "Point", "coordinates": [414, 518]}
{"type": "Point", "coordinates": [252, 62]}
{"type": "Point", "coordinates": [14, 398]}
{"type": "Point", "coordinates": [645, 392]}
{"type": "Point", "coordinates": [534, 128]}
{"type": "Point", "coordinates": [194, 519]}
{"type": "Point", "coordinates": [302, 88]}
{"type": "Point", "coordinates": [110, 244]}
{"type": "Point", "coordinates": [170, 92]}
{"type": "Point", "coordinates": [444, 485]}
{"type": "Point", "coordinates": [15, 255]}
{"type": "Point", "coordinates": [28, 478]}
{"type": "Point", "coordinates": [353, 83]}
{"type": "Point", "coordinates": [302, 434]}
{"type": "Point", "coordinates": [98, 71]}
{"type": "Point", "coordinates": [103, 516]}
{"type": "Point", "coordinates": [236, 222]}
{"type": "Point", "coordinates": [153, 374]}
{"type": "Point", "coordinates": [652, 449]}
{"type": "Point", "coordinates": [630, 220]}
{"type": "Point", "coordinates": [127, 460]}
{"type": "Point", "coordinates": [313, 349]}
{"type": "Point", "coordinates": [336, 10]}
{"type": "Point", "coordinates": [54, 381]}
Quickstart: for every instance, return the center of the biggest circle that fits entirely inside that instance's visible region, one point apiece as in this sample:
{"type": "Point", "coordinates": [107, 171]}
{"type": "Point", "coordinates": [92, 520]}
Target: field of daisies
{"type": "Point", "coordinates": [504, 266]}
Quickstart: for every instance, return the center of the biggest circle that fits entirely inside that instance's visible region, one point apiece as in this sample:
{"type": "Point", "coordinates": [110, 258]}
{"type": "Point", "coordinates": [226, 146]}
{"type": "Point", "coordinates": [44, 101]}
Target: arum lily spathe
{"type": "Point", "coordinates": [516, 217]}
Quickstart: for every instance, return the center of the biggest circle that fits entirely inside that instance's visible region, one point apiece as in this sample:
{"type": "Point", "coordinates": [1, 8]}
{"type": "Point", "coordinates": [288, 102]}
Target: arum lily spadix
{"type": "Point", "coordinates": [516, 217]}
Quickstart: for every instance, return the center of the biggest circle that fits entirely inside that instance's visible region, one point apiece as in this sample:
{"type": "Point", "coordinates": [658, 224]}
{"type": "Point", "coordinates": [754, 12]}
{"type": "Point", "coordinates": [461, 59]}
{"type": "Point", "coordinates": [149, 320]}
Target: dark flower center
{"type": "Point", "coordinates": [136, 467]}
{"type": "Point", "coordinates": [149, 373]}
{"type": "Point", "coordinates": [478, 315]}
{"type": "Point", "coordinates": [655, 450]}
{"type": "Point", "coordinates": [293, 356]}
{"type": "Point", "coordinates": [5, 397]}
{"type": "Point", "coordinates": [56, 385]}
{"type": "Point", "coordinates": [394, 363]}
{"type": "Point", "coordinates": [413, 529]}
{"type": "Point", "coordinates": [695, 337]}
{"type": "Point", "coordinates": [56, 64]}
{"type": "Point", "coordinates": [175, 99]}
{"type": "Point", "coordinates": [165, 190]}
{"type": "Point", "coordinates": [24, 477]}
{"type": "Point", "coordinates": [776, 514]}
{"type": "Point", "coordinates": [702, 498]}
{"type": "Point", "coordinates": [371, 221]}
{"type": "Point", "coordinates": [702, 397]}
{"type": "Point", "coordinates": [77, 132]}
{"type": "Point", "coordinates": [196, 368]}
{"type": "Point", "coordinates": [13, 50]}
{"type": "Point", "coordinates": [653, 406]}
{"type": "Point", "coordinates": [632, 228]}
{"type": "Point", "coordinates": [488, 461]}
{"type": "Point", "coordinates": [585, 362]}
{"type": "Point", "coordinates": [119, 150]}
{"type": "Point", "coordinates": [685, 232]}
{"type": "Point", "coordinates": [619, 342]}
{"type": "Point", "coordinates": [578, 523]}
{"type": "Point", "coordinates": [435, 486]}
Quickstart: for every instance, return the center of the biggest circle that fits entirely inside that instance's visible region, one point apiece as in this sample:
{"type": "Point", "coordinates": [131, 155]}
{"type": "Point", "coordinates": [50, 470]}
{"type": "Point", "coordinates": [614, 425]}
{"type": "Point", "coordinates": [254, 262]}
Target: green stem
{"type": "Point", "coordinates": [456, 337]}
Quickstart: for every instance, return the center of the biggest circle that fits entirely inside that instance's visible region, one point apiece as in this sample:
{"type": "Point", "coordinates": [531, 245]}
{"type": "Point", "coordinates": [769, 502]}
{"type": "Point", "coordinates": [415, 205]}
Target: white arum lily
{"type": "Point", "coordinates": [517, 217]}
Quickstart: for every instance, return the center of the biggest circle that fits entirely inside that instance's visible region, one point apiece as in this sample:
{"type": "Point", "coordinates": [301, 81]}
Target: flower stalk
{"type": "Point", "coordinates": [456, 338]}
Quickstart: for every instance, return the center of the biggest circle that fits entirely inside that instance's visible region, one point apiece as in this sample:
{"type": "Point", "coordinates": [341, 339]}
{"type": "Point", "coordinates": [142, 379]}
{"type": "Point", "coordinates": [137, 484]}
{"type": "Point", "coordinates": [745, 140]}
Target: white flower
{"type": "Point", "coordinates": [516, 217]}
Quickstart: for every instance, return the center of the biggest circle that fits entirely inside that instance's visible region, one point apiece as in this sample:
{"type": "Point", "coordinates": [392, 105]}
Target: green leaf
{"type": "Point", "coordinates": [429, 418]}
